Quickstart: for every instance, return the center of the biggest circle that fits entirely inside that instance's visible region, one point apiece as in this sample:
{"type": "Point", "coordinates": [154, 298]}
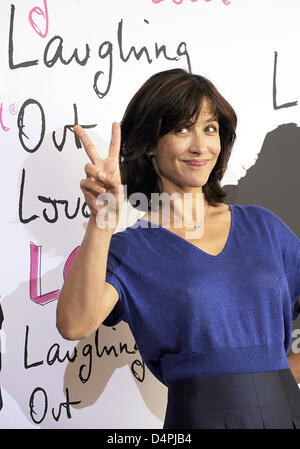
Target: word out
{"type": "Point", "coordinates": [24, 132]}
{"type": "Point", "coordinates": [38, 396]}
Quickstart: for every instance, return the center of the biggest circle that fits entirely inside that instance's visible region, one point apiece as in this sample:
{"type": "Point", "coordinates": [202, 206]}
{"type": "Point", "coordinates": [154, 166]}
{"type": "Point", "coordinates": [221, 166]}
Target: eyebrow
{"type": "Point", "coordinates": [211, 119]}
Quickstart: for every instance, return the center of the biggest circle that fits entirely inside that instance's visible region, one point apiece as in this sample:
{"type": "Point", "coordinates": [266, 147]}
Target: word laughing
{"type": "Point", "coordinates": [54, 51]}
{"type": "Point", "coordinates": [38, 402]}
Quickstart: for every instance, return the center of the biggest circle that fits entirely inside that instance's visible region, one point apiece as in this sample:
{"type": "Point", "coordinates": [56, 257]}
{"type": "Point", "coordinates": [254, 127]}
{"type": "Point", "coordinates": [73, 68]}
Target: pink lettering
{"type": "Point", "coordinates": [70, 261]}
{"type": "Point", "coordinates": [5, 128]}
{"type": "Point", "coordinates": [35, 275]}
{"type": "Point", "coordinates": [33, 22]}
{"type": "Point", "coordinates": [13, 108]}
{"type": "Point", "coordinates": [35, 278]}
{"type": "Point", "coordinates": [179, 2]}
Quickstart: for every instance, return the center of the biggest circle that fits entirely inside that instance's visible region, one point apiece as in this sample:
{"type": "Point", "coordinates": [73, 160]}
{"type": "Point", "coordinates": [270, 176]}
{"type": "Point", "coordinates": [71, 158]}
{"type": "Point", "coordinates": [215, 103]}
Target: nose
{"type": "Point", "coordinates": [198, 142]}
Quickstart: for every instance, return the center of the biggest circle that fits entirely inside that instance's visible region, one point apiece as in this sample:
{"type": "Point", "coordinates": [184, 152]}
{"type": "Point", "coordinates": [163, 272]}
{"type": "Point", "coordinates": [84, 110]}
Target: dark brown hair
{"type": "Point", "coordinates": [169, 100]}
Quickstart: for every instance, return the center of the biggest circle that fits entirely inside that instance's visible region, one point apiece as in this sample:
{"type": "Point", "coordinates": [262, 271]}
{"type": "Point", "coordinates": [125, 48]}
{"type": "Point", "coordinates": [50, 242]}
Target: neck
{"type": "Point", "coordinates": [181, 208]}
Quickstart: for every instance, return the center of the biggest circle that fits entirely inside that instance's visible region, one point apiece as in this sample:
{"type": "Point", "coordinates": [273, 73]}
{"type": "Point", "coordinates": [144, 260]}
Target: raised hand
{"type": "Point", "coordinates": [103, 178]}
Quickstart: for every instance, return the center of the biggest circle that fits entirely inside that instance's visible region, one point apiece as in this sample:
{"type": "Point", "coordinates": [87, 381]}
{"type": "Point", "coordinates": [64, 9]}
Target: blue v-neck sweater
{"type": "Point", "coordinates": [195, 314]}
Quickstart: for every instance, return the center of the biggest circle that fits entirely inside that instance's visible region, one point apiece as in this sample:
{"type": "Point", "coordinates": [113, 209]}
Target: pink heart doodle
{"type": "Point", "coordinates": [44, 14]}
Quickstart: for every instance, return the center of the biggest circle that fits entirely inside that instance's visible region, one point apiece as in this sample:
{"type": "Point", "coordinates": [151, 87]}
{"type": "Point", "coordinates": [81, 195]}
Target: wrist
{"type": "Point", "coordinates": [93, 226]}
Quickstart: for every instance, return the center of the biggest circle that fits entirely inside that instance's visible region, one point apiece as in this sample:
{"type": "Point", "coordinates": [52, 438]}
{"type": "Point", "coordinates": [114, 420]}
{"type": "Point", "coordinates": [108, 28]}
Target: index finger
{"type": "Point", "coordinates": [115, 141]}
{"type": "Point", "coordinates": [88, 144]}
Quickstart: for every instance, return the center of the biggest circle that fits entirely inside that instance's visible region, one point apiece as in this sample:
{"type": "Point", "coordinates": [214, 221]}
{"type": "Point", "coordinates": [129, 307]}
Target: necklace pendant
{"type": "Point", "coordinates": [197, 227]}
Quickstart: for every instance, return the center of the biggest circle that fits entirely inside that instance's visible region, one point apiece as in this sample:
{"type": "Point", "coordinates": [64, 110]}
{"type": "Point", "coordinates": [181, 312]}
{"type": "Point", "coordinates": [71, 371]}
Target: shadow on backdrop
{"type": "Point", "coordinates": [273, 181]}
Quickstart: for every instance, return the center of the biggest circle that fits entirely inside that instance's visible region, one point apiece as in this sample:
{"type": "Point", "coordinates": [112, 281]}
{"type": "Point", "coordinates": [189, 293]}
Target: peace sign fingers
{"type": "Point", "coordinates": [115, 141]}
{"type": "Point", "coordinates": [102, 175]}
{"type": "Point", "coordinates": [88, 145]}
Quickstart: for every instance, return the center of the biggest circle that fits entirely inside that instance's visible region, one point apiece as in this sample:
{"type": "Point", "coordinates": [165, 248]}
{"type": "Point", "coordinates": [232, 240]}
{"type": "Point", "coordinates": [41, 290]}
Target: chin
{"type": "Point", "coordinates": [194, 186]}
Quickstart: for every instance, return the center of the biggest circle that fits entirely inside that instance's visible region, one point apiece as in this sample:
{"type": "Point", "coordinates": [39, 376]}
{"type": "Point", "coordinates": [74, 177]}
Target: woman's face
{"type": "Point", "coordinates": [175, 148]}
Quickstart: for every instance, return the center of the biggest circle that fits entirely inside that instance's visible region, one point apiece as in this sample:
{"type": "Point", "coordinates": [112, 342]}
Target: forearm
{"type": "Point", "coordinates": [79, 305]}
{"type": "Point", "coordinates": [294, 361]}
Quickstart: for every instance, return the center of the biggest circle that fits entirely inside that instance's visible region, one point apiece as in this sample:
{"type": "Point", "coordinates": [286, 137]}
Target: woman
{"type": "Point", "coordinates": [210, 310]}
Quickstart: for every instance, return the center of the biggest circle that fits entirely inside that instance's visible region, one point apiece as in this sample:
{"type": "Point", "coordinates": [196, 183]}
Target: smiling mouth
{"type": "Point", "coordinates": [197, 163]}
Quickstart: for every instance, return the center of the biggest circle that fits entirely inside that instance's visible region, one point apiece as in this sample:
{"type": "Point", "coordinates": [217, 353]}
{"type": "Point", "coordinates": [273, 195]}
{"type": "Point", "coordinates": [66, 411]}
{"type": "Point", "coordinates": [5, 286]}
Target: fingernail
{"type": "Point", "coordinates": [102, 175]}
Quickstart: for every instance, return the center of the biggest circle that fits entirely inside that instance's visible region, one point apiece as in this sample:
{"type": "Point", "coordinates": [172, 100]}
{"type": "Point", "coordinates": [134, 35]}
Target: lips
{"type": "Point", "coordinates": [197, 162]}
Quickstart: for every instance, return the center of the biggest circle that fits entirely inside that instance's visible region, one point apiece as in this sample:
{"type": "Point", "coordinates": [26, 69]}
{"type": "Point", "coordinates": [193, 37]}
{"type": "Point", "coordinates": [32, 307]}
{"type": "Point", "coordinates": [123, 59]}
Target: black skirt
{"type": "Point", "coordinates": [261, 400]}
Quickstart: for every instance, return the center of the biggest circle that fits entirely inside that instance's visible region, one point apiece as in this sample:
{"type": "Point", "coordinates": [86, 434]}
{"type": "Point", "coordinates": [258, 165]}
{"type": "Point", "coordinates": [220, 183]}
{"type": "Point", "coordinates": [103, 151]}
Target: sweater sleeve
{"type": "Point", "coordinates": [116, 277]}
{"type": "Point", "coordinates": [289, 246]}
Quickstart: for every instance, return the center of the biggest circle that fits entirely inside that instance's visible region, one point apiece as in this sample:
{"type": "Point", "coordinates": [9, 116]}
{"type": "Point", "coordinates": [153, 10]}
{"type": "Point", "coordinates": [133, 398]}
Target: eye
{"type": "Point", "coordinates": [213, 128]}
{"type": "Point", "coordinates": [181, 130]}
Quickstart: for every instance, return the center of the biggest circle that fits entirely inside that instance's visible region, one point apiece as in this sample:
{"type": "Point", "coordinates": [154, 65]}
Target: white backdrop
{"type": "Point", "coordinates": [75, 61]}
